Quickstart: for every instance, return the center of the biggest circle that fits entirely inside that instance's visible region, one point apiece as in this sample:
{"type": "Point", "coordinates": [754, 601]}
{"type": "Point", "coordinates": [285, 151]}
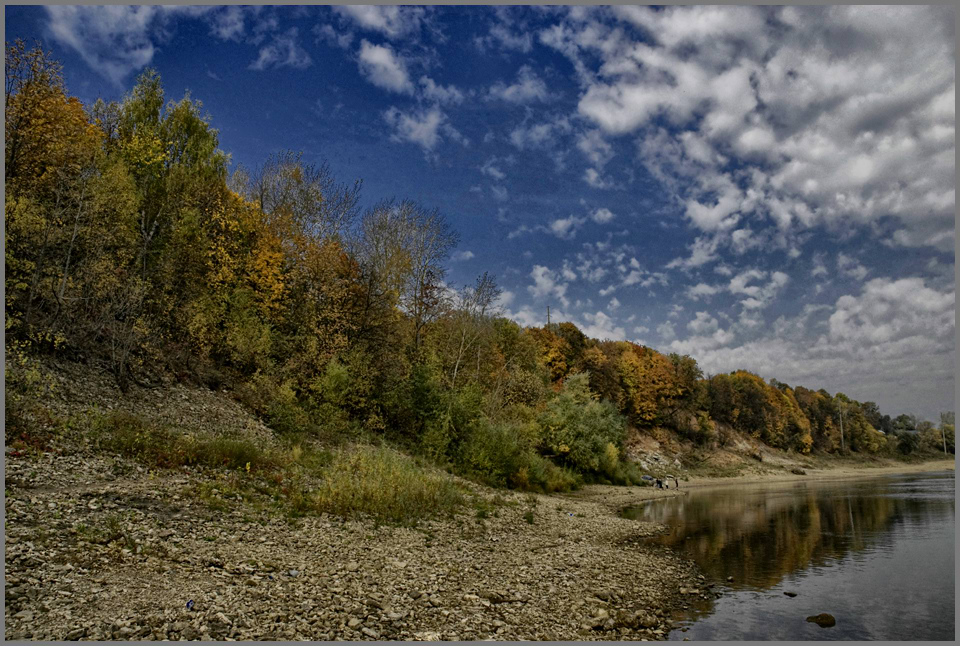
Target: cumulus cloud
{"type": "Point", "coordinates": [117, 40]}
{"type": "Point", "coordinates": [600, 326]}
{"type": "Point", "coordinates": [566, 228]}
{"type": "Point", "coordinates": [441, 94]}
{"type": "Point", "coordinates": [758, 295]}
{"type": "Point", "coordinates": [527, 88]}
{"type": "Point", "coordinates": [795, 117]}
{"type": "Point", "coordinates": [594, 179]}
{"type": "Point", "coordinates": [702, 290]}
{"type": "Point", "coordinates": [548, 284]}
{"type": "Point", "coordinates": [282, 51]}
{"type": "Point", "coordinates": [851, 267]}
{"type": "Point", "coordinates": [384, 68]}
{"type": "Point", "coordinates": [426, 128]}
{"type": "Point", "coordinates": [602, 216]}
{"type": "Point", "coordinates": [539, 135]}
{"type": "Point", "coordinates": [390, 21]}
{"type": "Point", "coordinates": [463, 255]}
{"type": "Point", "coordinates": [892, 342]}
{"type": "Point", "coordinates": [490, 169]}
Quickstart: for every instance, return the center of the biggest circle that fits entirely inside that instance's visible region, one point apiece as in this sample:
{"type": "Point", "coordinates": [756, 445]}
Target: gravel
{"type": "Point", "coordinates": [100, 548]}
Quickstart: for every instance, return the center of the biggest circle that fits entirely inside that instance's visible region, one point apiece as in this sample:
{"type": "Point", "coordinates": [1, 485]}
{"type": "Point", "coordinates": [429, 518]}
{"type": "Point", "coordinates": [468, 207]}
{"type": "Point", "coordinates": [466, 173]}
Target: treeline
{"type": "Point", "coordinates": [128, 243]}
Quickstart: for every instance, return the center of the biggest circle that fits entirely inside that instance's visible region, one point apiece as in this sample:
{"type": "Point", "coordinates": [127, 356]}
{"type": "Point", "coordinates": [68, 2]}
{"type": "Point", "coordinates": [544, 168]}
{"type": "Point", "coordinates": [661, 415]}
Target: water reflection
{"type": "Point", "coordinates": [763, 536]}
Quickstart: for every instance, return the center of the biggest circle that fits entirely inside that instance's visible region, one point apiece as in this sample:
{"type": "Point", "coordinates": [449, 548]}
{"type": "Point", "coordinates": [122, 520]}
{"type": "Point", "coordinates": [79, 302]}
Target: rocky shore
{"type": "Point", "coordinates": [101, 547]}
{"type": "Point", "coordinates": [95, 555]}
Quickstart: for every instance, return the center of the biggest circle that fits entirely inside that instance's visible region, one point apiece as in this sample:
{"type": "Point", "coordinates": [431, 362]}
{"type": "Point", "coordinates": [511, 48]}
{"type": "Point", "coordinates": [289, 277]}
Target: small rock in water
{"type": "Point", "coordinates": [824, 620]}
{"type": "Point", "coordinates": [790, 594]}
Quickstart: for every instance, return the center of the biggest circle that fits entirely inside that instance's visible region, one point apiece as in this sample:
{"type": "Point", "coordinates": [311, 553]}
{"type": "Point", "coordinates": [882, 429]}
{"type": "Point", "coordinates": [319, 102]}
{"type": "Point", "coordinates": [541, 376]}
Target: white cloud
{"type": "Point", "coordinates": [463, 255]}
{"type": "Point", "coordinates": [115, 40]}
{"type": "Point", "coordinates": [228, 24]}
{"type": "Point", "coordinates": [667, 331]}
{"type": "Point", "coordinates": [539, 135]}
{"type": "Point", "coordinates": [528, 88]}
{"type": "Point", "coordinates": [502, 38]}
{"type": "Point", "coordinates": [547, 284]}
{"type": "Point", "coordinates": [384, 68]}
{"type": "Point", "coordinates": [614, 304]}
{"type": "Point", "coordinates": [602, 216]}
{"type": "Point", "coordinates": [601, 326]}
{"type": "Point", "coordinates": [326, 33]}
{"type": "Point", "coordinates": [893, 342]}
{"type": "Point", "coordinates": [795, 117]}
{"type": "Point", "coordinates": [593, 178]}
{"type": "Point", "coordinates": [390, 20]}
{"type": "Point", "coordinates": [566, 228]}
{"type": "Point", "coordinates": [703, 323]}
{"type": "Point", "coordinates": [701, 290]}
{"type": "Point", "coordinates": [283, 51]}
{"type": "Point", "coordinates": [851, 267]}
{"type": "Point", "coordinates": [489, 169]}
{"type": "Point", "coordinates": [758, 296]}
{"type": "Point", "coordinates": [422, 127]}
{"type": "Point", "coordinates": [439, 93]}
{"type": "Point", "coordinates": [595, 147]}
{"type": "Point", "coordinates": [702, 251]}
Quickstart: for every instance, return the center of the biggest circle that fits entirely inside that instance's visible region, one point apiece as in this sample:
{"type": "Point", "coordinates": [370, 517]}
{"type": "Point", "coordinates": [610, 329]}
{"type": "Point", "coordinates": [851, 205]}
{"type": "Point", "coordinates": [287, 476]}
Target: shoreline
{"type": "Point", "coordinates": [527, 567]}
{"type": "Point", "coordinates": [616, 497]}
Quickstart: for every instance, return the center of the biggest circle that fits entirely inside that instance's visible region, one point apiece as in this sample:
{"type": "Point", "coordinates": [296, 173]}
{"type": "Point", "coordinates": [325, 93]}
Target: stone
{"type": "Point", "coordinates": [294, 573]}
{"type": "Point", "coordinates": [354, 622]}
{"type": "Point", "coordinates": [352, 566]}
{"type": "Point", "coordinates": [370, 632]}
{"type": "Point", "coordinates": [824, 620]}
{"type": "Point", "coordinates": [790, 594]}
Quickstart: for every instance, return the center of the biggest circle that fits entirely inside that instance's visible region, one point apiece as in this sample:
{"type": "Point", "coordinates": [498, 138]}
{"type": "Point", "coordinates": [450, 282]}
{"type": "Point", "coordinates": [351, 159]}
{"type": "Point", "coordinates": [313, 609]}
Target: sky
{"type": "Point", "coordinates": [769, 189]}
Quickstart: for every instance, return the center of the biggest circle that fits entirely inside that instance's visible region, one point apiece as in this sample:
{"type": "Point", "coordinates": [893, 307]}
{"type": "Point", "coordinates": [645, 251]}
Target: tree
{"type": "Point", "coordinates": [405, 245]}
{"type": "Point", "coordinates": [306, 196]}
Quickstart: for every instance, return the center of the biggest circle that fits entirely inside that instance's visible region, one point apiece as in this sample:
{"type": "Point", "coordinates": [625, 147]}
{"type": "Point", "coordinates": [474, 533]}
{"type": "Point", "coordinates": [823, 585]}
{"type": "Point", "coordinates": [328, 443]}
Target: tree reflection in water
{"type": "Point", "coordinates": [760, 534]}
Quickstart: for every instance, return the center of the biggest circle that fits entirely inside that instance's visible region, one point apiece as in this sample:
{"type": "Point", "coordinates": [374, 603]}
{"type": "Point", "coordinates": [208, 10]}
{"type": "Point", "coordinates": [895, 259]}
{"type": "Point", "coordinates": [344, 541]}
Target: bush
{"type": "Point", "coordinates": [577, 429]}
{"type": "Point", "coordinates": [128, 435]}
{"type": "Point", "coordinates": [503, 455]}
{"type": "Point", "coordinates": [386, 485]}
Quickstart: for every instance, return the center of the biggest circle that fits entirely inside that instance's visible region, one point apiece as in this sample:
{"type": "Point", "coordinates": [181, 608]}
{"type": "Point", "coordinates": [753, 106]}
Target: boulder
{"type": "Point", "coordinates": [824, 620]}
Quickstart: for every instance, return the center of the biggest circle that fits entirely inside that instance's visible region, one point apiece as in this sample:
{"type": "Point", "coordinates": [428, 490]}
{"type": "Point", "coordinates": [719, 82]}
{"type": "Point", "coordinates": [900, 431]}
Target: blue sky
{"type": "Point", "coordinates": [762, 188]}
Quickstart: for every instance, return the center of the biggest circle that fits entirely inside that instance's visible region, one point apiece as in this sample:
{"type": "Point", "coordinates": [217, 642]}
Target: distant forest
{"type": "Point", "coordinates": [129, 245]}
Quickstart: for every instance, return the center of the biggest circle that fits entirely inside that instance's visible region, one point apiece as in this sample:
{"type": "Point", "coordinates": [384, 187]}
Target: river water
{"type": "Point", "coordinates": [876, 553]}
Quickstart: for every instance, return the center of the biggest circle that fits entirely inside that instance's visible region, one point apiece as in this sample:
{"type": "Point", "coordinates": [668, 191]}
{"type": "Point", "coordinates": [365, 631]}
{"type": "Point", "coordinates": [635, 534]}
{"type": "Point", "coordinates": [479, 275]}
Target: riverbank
{"type": "Point", "coordinates": [100, 546]}
{"type": "Point", "coordinates": [616, 498]}
{"type": "Point", "coordinates": [94, 555]}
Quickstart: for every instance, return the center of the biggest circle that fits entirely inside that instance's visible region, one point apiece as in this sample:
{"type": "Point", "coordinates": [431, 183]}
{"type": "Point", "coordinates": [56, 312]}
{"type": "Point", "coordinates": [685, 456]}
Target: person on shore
{"type": "Point", "coordinates": [676, 483]}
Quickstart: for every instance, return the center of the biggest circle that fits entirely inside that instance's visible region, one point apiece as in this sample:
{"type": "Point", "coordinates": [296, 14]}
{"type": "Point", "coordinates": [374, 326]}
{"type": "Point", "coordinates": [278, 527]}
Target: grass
{"type": "Point", "coordinates": [384, 484]}
{"type": "Point", "coordinates": [362, 481]}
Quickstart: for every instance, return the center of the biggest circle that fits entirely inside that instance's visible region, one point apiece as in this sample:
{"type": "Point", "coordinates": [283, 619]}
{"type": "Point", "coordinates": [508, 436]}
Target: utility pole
{"type": "Point", "coordinates": [548, 317]}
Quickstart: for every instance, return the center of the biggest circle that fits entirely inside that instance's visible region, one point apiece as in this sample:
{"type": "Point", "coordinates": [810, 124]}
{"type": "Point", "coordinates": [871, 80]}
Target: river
{"type": "Point", "coordinates": [876, 553]}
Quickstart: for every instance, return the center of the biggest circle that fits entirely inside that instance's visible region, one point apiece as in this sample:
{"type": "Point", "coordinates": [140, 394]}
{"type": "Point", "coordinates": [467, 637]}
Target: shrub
{"type": "Point", "coordinates": [386, 485]}
{"type": "Point", "coordinates": [503, 455]}
{"type": "Point", "coordinates": [128, 435]}
{"type": "Point", "coordinates": [577, 429]}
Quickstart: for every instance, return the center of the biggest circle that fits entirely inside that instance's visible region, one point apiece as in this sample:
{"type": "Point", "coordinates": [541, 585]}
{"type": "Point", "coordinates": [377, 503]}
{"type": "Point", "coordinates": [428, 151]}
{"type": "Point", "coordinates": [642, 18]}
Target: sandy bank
{"type": "Point", "coordinates": [616, 498]}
